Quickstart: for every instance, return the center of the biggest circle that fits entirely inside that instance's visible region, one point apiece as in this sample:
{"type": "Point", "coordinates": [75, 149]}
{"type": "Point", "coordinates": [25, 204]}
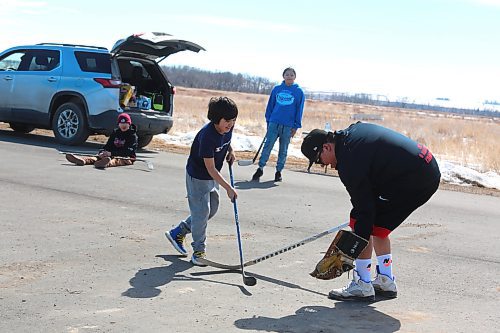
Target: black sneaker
{"type": "Point", "coordinates": [257, 174]}
{"type": "Point", "coordinates": [277, 176]}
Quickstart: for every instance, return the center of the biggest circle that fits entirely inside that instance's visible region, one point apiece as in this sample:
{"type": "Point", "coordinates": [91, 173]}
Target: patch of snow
{"type": "Point", "coordinates": [462, 175]}
{"type": "Point", "coordinates": [450, 172]}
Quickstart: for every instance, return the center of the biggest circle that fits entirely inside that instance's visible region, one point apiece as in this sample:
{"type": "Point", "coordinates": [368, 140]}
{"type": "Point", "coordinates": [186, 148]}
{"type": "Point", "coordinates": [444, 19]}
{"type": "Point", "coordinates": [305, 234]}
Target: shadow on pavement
{"type": "Point", "coordinates": [285, 284]}
{"type": "Point", "coordinates": [46, 141]}
{"type": "Point", "coordinates": [263, 278]}
{"type": "Point", "coordinates": [343, 317]}
{"type": "Point", "coordinates": [145, 282]}
{"type": "Point", "coordinates": [42, 141]}
{"type": "Point", "coordinates": [246, 185]}
{"type": "Point", "coordinates": [330, 173]}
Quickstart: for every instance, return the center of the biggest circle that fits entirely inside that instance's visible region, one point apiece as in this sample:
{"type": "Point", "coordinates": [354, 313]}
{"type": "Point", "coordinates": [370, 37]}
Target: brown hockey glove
{"type": "Point", "coordinates": [340, 256]}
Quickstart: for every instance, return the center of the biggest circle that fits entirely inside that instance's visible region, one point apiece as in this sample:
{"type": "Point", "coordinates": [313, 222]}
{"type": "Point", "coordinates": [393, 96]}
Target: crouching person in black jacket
{"type": "Point", "coordinates": [388, 176]}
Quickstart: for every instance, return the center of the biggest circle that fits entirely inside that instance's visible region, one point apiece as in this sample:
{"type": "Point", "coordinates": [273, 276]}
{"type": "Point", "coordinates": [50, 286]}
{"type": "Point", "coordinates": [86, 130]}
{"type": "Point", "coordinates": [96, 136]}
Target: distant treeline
{"type": "Point", "coordinates": [373, 100]}
{"type": "Point", "coordinates": [191, 77]}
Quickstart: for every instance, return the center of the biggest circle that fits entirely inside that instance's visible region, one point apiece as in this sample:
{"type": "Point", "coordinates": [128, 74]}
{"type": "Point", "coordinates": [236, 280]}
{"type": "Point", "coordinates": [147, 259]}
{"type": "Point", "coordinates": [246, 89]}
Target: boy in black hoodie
{"type": "Point", "coordinates": [121, 143]}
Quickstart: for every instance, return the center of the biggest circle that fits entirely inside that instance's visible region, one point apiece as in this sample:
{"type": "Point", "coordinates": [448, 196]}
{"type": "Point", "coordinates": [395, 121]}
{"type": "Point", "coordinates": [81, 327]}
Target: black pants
{"type": "Point", "coordinates": [392, 210]}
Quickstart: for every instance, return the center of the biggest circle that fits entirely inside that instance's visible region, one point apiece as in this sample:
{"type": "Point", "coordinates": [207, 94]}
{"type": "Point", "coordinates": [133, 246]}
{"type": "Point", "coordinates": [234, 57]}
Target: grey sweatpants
{"type": "Point", "coordinates": [203, 199]}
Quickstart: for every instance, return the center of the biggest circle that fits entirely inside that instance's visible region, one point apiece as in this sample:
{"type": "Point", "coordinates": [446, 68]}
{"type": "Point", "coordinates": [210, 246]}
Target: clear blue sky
{"type": "Point", "coordinates": [414, 48]}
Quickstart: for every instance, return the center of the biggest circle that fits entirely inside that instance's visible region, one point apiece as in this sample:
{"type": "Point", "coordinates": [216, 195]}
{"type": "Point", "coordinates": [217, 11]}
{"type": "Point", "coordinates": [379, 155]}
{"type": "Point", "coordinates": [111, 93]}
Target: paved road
{"type": "Point", "coordinates": [83, 250]}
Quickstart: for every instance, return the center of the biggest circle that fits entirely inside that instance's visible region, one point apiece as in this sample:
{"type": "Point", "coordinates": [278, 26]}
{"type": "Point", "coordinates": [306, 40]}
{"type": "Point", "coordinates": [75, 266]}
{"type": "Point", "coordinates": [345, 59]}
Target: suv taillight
{"type": "Point", "coordinates": [109, 83]}
{"type": "Point", "coordinates": [174, 90]}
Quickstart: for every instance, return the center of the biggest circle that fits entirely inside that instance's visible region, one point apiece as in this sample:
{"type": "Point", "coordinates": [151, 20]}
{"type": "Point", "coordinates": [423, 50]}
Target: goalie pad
{"type": "Point", "coordinates": [340, 256]}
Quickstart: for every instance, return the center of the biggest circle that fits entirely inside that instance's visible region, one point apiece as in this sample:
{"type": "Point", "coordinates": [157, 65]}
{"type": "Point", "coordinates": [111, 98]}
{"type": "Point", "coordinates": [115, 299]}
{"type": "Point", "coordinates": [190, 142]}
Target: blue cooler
{"type": "Point", "coordinates": [144, 102]}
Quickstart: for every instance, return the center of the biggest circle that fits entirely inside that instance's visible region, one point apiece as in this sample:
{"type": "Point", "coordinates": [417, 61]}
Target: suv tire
{"type": "Point", "coordinates": [144, 140]}
{"type": "Point", "coordinates": [21, 128]}
{"type": "Point", "coordinates": [70, 124]}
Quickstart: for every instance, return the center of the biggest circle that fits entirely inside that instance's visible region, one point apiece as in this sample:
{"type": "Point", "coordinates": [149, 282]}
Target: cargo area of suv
{"type": "Point", "coordinates": [81, 89]}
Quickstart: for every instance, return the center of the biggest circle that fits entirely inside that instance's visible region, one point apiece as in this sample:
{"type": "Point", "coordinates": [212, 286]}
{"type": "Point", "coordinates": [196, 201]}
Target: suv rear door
{"type": "Point", "coordinates": [35, 83]}
{"type": "Point", "coordinates": [152, 45]}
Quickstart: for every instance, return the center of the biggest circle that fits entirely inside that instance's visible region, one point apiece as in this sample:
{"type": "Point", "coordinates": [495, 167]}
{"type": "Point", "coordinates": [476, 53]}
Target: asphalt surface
{"type": "Point", "coordinates": [83, 250]}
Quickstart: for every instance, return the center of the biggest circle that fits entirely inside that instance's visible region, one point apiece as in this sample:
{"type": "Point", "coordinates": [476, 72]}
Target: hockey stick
{"type": "Point", "coordinates": [252, 161]}
{"type": "Point", "coordinates": [247, 280]}
{"type": "Point", "coordinates": [149, 164]}
{"type": "Point", "coordinates": [275, 253]}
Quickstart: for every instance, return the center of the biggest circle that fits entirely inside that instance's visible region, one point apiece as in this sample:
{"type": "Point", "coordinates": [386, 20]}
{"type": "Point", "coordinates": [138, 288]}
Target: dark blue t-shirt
{"type": "Point", "coordinates": [208, 143]}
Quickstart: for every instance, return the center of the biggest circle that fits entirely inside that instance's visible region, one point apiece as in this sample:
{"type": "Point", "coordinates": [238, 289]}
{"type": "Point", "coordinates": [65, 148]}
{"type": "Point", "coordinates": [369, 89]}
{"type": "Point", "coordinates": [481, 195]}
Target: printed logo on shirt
{"type": "Point", "coordinates": [284, 97]}
{"type": "Point", "coordinates": [387, 262]}
{"type": "Point", "coordinates": [424, 153]}
{"type": "Point", "coordinates": [119, 143]}
{"type": "Point", "coordinates": [369, 267]}
{"type": "Point", "coordinates": [219, 149]}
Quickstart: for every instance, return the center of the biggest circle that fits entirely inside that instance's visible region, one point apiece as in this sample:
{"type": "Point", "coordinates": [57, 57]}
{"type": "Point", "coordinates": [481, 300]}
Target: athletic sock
{"type": "Point", "coordinates": [363, 267]}
{"type": "Point", "coordinates": [385, 265]}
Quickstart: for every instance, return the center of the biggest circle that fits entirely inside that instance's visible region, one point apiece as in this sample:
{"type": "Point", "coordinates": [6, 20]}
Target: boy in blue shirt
{"type": "Point", "coordinates": [210, 147]}
{"type": "Point", "coordinates": [283, 117]}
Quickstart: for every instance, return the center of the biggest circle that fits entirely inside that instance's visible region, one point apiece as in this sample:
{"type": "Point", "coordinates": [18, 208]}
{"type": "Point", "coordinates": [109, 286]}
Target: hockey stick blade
{"type": "Point", "coordinates": [249, 280]}
{"type": "Point", "coordinates": [77, 153]}
{"type": "Point", "coordinates": [252, 161]}
{"type": "Point", "coordinates": [149, 164]}
{"type": "Point", "coordinates": [214, 264]}
{"type": "Point", "coordinates": [245, 162]}
{"type": "Point", "coordinates": [275, 253]}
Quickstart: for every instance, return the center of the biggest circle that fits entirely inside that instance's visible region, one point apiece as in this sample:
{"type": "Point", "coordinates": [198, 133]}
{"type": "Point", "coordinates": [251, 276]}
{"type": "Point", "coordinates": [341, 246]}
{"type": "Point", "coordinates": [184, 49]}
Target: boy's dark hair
{"type": "Point", "coordinates": [221, 107]}
{"type": "Point", "coordinates": [289, 69]}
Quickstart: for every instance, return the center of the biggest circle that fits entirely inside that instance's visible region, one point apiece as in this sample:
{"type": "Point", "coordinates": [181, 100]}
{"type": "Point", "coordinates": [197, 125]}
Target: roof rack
{"type": "Point", "coordinates": [75, 45]}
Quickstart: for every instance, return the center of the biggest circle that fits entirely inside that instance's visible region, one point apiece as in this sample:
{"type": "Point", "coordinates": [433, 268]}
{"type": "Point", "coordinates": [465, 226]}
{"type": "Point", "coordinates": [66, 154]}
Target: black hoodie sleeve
{"type": "Point", "coordinates": [355, 166]}
{"type": "Point", "coordinates": [357, 183]}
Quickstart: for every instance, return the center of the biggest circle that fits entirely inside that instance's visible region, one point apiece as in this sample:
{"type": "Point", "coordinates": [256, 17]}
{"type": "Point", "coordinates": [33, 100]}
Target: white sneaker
{"type": "Point", "coordinates": [357, 289]}
{"type": "Point", "coordinates": [385, 286]}
{"type": "Point", "coordinates": [197, 255]}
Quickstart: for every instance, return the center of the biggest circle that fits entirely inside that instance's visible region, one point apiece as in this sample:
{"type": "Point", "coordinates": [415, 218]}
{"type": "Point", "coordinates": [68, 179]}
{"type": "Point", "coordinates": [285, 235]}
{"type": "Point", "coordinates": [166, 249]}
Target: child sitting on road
{"type": "Point", "coordinates": [118, 151]}
{"type": "Point", "coordinates": [210, 147]}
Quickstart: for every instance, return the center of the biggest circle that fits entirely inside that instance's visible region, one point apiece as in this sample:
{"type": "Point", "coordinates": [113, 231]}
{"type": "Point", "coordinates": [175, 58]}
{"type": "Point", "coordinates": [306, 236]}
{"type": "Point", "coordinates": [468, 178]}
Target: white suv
{"type": "Point", "coordinates": [78, 90]}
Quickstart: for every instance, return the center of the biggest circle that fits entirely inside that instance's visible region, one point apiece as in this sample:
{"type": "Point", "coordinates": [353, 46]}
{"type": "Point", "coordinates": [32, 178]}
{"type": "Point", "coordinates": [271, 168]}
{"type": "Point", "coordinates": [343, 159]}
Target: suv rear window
{"type": "Point", "coordinates": [94, 62]}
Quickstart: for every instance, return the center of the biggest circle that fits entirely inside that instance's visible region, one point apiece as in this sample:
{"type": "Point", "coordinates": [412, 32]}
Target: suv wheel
{"type": "Point", "coordinates": [144, 140]}
{"type": "Point", "coordinates": [21, 128]}
{"type": "Point", "coordinates": [69, 124]}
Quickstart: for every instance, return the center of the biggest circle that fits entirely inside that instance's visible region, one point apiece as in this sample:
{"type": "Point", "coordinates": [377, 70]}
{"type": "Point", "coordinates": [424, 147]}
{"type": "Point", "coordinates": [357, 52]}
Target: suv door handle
{"type": "Point", "coordinates": [52, 79]}
{"type": "Point", "coordinates": [8, 78]}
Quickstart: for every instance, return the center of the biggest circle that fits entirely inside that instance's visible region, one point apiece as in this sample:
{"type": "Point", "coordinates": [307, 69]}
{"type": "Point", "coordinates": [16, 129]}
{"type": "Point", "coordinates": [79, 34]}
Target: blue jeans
{"type": "Point", "coordinates": [275, 131]}
{"type": "Point", "coordinates": [203, 199]}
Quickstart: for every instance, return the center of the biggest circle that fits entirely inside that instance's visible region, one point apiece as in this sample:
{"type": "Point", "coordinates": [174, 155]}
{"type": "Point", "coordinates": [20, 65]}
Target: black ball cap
{"type": "Point", "coordinates": [313, 144]}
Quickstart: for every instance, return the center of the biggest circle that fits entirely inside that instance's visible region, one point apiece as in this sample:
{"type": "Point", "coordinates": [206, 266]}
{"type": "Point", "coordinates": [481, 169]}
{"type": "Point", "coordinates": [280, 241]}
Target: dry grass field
{"type": "Point", "coordinates": [471, 141]}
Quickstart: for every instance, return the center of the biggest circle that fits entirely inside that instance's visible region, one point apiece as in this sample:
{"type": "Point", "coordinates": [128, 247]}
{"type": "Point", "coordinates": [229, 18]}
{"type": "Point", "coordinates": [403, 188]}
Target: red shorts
{"type": "Point", "coordinates": [376, 230]}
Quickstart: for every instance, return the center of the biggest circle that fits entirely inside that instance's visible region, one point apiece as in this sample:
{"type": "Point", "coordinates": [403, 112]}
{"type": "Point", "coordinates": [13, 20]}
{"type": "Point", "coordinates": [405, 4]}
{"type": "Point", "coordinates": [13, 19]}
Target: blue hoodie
{"type": "Point", "coordinates": [286, 105]}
